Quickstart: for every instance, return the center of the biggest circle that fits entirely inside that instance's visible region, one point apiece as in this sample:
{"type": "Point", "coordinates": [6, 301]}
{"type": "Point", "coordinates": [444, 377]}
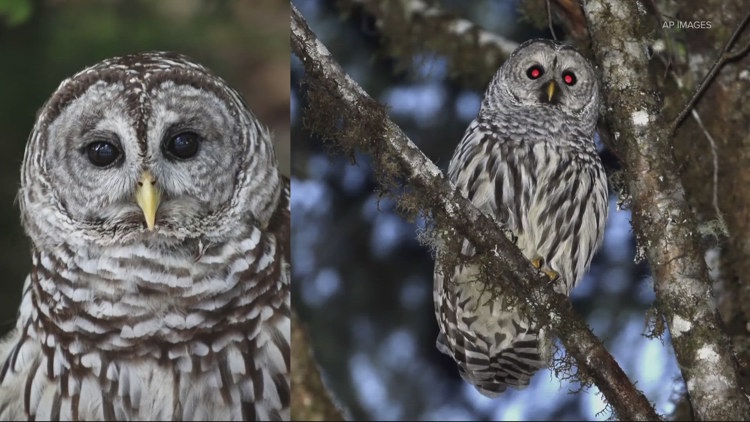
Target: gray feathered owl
{"type": "Point", "coordinates": [159, 224]}
{"type": "Point", "coordinates": [528, 160]}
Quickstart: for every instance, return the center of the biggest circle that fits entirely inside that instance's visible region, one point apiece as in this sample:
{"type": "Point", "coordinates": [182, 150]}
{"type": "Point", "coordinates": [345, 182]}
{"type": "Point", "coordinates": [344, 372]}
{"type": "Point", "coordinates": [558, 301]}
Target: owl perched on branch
{"type": "Point", "coordinates": [159, 224]}
{"type": "Point", "coordinates": [529, 160]}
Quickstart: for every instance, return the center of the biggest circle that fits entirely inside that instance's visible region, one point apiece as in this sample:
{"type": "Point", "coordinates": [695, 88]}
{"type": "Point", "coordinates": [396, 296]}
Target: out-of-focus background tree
{"type": "Point", "coordinates": [43, 42]}
{"type": "Point", "coordinates": [362, 283]}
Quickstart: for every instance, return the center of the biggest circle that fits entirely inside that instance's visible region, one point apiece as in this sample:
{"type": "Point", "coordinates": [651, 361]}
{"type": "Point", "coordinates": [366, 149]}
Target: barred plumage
{"type": "Point", "coordinates": [529, 160]}
{"type": "Point", "coordinates": [180, 315]}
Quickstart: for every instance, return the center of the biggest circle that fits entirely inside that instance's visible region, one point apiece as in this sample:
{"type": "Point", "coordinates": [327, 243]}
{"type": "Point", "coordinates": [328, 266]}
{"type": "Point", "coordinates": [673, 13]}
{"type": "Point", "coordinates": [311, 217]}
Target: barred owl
{"type": "Point", "coordinates": [159, 224]}
{"type": "Point", "coordinates": [528, 160]}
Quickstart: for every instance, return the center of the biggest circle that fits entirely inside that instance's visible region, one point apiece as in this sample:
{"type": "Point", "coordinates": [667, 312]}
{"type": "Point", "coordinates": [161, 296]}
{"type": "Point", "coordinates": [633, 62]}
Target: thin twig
{"type": "Point", "coordinates": [740, 52]}
{"type": "Point", "coordinates": [715, 156]}
{"type": "Point", "coordinates": [549, 20]}
{"type": "Point", "coordinates": [724, 57]}
{"type": "Point", "coordinates": [714, 151]}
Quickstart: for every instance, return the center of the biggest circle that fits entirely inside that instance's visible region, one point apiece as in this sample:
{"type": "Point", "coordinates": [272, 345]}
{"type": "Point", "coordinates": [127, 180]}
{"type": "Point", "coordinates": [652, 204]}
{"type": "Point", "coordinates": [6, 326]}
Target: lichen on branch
{"type": "Point", "coordinates": [662, 219]}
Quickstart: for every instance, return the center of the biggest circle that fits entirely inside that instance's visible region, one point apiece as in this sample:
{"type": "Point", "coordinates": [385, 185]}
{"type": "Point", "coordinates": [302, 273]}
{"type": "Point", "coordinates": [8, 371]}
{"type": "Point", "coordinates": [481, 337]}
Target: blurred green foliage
{"type": "Point", "coordinates": [15, 12]}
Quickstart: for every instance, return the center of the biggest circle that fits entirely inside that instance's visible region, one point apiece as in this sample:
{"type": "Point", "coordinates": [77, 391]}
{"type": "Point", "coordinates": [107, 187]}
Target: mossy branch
{"type": "Point", "coordinates": [341, 111]}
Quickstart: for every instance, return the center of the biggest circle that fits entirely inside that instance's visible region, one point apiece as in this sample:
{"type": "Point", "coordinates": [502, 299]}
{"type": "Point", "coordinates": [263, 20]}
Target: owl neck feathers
{"type": "Point", "coordinates": [527, 127]}
{"type": "Point", "coordinates": [131, 301]}
{"type": "Point", "coordinates": [558, 121]}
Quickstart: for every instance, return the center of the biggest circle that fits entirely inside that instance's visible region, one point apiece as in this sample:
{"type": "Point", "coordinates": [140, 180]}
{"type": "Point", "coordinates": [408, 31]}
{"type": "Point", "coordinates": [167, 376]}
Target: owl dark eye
{"type": "Point", "coordinates": [183, 145]}
{"type": "Point", "coordinates": [102, 154]}
{"type": "Point", "coordinates": [534, 72]}
{"type": "Point", "coordinates": [569, 78]}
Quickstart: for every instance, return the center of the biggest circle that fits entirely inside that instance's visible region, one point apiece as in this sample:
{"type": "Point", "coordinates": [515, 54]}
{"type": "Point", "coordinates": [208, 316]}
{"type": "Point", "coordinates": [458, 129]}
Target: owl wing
{"type": "Point", "coordinates": [493, 345]}
{"type": "Point", "coordinates": [20, 362]}
{"type": "Point", "coordinates": [269, 396]}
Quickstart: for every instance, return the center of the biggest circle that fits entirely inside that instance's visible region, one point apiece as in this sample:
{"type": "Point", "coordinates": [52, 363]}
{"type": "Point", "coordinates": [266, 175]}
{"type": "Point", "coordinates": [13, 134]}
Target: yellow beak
{"type": "Point", "coordinates": [148, 196]}
{"type": "Point", "coordinates": [550, 90]}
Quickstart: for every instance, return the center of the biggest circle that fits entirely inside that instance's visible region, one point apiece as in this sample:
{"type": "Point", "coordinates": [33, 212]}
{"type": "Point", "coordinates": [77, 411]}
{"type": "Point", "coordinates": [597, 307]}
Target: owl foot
{"type": "Point", "coordinates": [509, 234]}
{"type": "Point", "coordinates": [538, 263]}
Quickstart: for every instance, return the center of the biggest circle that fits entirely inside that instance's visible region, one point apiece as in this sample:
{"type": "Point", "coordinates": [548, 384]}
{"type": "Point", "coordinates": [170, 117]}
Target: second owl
{"type": "Point", "coordinates": [529, 160]}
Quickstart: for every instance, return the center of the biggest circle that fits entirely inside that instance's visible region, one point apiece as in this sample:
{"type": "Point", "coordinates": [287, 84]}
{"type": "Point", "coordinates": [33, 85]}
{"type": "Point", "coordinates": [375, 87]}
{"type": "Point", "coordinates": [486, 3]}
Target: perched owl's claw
{"type": "Point", "coordinates": [538, 263]}
{"type": "Point", "coordinates": [509, 234]}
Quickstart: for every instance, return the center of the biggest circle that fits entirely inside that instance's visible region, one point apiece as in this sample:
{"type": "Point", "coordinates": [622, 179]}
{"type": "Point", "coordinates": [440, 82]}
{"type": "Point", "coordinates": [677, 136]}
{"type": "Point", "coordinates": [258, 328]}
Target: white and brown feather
{"type": "Point", "coordinates": [533, 167]}
{"type": "Point", "coordinates": [190, 322]}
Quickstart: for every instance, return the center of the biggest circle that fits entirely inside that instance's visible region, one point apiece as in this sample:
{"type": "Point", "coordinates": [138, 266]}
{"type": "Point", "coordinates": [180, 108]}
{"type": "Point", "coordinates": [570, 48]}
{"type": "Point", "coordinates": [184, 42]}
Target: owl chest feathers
{"type": "Point", "coordinates": [159, 291]}
{"type": "Point", "coordinates": [112, 328]}
{"type": "Point", "coordinates": [546, 187]}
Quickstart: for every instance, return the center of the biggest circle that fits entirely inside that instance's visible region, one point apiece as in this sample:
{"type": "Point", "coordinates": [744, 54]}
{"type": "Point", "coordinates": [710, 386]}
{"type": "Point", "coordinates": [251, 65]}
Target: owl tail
{"type": "Point", "coordinates": [493, 371]}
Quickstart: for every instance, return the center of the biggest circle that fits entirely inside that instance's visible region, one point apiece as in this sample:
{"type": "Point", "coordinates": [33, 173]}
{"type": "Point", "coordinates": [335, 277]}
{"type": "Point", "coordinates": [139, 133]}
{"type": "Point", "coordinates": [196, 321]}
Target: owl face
{"type": "Point", "coordinates": [543, 73]}
{"type": "Point", "coordinates": [145, 147]}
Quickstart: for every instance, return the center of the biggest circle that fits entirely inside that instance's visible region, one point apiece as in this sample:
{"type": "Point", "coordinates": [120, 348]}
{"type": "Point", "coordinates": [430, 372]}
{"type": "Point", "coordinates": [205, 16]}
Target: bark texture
{"type": "Point", "coordinates": [662, 218]}
{"type": "Point", "coordinates": [310, 398]}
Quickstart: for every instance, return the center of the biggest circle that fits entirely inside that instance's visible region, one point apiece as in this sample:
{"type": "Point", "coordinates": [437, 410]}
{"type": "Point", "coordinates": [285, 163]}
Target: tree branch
{"type": "Point", "coordinates": [310, 399]}
{"type": "Point", "coordinates": [662, 219]}
{"type": "Point", "coordinates": [725, 56]}
{"type": "Point", "coordinates": [361, 122]}
{"type": "Point", "coordinates": [416, 25]}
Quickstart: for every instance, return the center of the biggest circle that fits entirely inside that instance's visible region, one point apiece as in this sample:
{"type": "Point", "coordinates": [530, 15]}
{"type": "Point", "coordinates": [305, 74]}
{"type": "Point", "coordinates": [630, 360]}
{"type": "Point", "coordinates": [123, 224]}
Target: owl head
{"type": "Point", "coordinates": [543, 73]}
{"type": "Point", "coordinates": [148, 147]}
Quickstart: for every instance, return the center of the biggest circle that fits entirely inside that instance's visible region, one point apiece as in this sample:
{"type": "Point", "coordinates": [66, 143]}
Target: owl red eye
{"type": "Point", "coordinates": [569, 78]}
{"type": "Point", "coordinates": [535, 72]}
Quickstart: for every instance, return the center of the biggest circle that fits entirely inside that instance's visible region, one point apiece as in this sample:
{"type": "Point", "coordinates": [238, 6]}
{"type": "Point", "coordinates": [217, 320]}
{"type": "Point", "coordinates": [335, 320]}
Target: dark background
{"type": "Point", "coordinates": [362, 283]}
{"type": "Point", "coordinates": [44, 42]}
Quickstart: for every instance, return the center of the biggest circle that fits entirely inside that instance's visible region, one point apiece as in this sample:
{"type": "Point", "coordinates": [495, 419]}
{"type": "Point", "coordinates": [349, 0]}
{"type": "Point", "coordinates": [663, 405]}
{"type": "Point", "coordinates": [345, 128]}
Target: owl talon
{"type": "Point", "coordinates": [538, 263]}
{"type": "Point", "coordinates": [552, 274]}
{"type": "Point", "coordinates": [509, 234]}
